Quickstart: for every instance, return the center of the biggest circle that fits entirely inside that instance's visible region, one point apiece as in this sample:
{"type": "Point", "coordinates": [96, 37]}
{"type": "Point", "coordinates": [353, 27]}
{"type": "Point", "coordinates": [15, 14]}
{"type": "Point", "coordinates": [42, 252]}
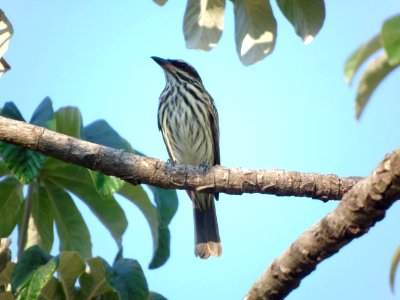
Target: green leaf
{"type": "Point", "coordinates": [94, 282]}
{"type": "Point", "coordinates": [25, 164]}
{"type": "Point", "coordinates": [40, 278]}
{"type": "Point", "coordinates": [306, 16]}
{"type": "Point", "coordinates": [156, 296]}
{"type": "Point", "coordinates": [100, 132]}
{"type": "Point", "coordinates": [31, 259]}
{"type": "Point", "coordinates": [127, 277]}
{"type": "Point", "coordinates": [373, 75]}
{"type": "Point", "coordinates": [255, 30]}
{"type": "Point", "coordinates": [3, 169]}
{"type": "Point", "coordinates": [203, 23]}
{"type": "Point", "coordinates": [10, 110]}
{"type": "Point", "coordinates": [51, 291]}
{"type": "Point", "coordinates": [71, 227]}
{"type": "Point", "coordinates": [69, 121]}
{"type": "Point", "coordinates": [360, 56]}
{"type": "Point", "coordinates": [41, 220]}
{"type": "Point", "coordinates": [78, 181]}
{"type": "Point", "coordinates": [390, 35]}
{"type": "Point", "coordinates": [70, 268]}
{"type": "Point", "coordinates": [105, 185]}
{"type": "Point", "coordinates": [158, 217]}
{"type": "Point", "coordinates": [393, 267]}
{"type": "Point", "coordinates": [44, 115]}
{"type": "Point", "coordinates": [11, 200]}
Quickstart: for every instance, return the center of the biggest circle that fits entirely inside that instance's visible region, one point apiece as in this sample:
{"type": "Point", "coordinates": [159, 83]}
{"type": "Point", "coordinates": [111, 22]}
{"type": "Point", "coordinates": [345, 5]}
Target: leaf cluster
{"type": "Point", "coordinates": [39, 275]}
{"type": "Point", "coordinates": [51, 184]}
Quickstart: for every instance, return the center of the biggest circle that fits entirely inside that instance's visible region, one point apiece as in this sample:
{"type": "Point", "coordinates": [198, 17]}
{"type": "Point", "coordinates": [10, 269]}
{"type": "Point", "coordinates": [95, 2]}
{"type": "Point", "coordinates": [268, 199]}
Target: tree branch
{"type": "Point", "coordinates": [137, 169]}
{"type": "Point", "coordinates": [363, 206]}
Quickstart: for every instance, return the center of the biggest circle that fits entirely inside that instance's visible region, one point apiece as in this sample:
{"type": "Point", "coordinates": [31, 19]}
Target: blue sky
{"type": "Point", "coordinates": [292, 111]}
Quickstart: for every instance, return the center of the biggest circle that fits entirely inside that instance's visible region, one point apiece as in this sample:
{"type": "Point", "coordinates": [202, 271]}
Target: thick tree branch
{"type": "Point", "coordinates": [137, 169]}
{"type": "Point", "coordinates": [363, 206]}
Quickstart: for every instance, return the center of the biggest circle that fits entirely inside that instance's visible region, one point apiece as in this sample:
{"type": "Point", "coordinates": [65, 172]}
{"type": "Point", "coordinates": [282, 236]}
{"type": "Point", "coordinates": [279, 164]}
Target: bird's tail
{"type": "Point", "coordinates": [207, 241]}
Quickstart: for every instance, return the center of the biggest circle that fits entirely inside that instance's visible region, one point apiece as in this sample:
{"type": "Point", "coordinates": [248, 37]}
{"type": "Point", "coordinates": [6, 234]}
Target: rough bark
{"type": "Point", "coordinates": [137, 169]}
{"type": "Point", "coordinates": [363, 206]}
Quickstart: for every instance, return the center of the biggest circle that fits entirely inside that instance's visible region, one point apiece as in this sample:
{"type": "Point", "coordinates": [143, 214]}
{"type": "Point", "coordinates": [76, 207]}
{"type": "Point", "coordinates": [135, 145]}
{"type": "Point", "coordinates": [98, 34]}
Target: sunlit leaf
{"type": "Point", "coordinates": [375, 72]}
{"type": "Point", "coordinates": [11, 200]}
{"type": "Point", "coordinates": [360, 56]}
{"type": "Point", "coordinates": [40, 226]}
{"type": "Point", "coordinates": [6, 31]}
{"type": "Point", "coordinates": [203, 23]}
{"type": "Point", "coordinates": [71, 227]}
{"type": "Point", "coordinates": [71, 266]}
{"type": "Point", "coordinates": [127, 277]}
{"type": "Point", "coordinates": [391, 39]}
{"type": "Point", "coordinates": [40, 278]}
{"type": "Point", "coordinates": [255, 30]}
{"type": "Point", "coordinates": [160, 2]}
{"type": "Point", "coordinates": [306, 16]}
{"type": "Point", "coordinates": [69, 121]}
{"type": "Point", "coordinates": [94, 282]}
{"type": "Point", "coordinates": [78, 181]}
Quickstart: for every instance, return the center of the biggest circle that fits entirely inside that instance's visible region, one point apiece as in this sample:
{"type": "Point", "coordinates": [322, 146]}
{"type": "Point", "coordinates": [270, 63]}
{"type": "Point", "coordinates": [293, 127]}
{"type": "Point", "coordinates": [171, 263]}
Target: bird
{"type": "Point", "coordinates": [188, 121]}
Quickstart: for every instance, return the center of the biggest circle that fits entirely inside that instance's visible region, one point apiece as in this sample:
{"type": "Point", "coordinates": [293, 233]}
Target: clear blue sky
{"type": "Point", "coordinates": [291, 111]}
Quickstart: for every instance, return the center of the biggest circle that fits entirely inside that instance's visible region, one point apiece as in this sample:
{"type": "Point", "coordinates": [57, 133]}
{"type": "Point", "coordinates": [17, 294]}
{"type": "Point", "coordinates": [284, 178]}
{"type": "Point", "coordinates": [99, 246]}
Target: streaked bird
{"type": "Point", "coordinates": [188, 120]}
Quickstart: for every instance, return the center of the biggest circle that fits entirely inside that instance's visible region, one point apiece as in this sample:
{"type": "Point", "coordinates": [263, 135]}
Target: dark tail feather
{"type": "Point", "coordinates": [207, 241]}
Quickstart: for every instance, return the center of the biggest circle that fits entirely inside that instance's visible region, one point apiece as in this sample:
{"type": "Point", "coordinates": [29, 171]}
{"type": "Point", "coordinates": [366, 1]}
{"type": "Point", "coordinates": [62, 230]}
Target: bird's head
{"type": "Point", "coordinates": [178, 70]}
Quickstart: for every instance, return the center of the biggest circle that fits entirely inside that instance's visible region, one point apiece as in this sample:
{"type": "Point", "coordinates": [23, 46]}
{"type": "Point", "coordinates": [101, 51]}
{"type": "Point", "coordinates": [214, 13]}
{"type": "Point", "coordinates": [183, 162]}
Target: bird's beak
{"type": "Point", "coordinates": [162, 62]}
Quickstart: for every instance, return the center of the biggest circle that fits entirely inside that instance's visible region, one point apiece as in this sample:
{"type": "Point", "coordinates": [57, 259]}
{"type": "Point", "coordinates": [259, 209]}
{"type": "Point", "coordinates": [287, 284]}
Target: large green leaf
{"type": "Point", "coordinates": [6, 32]}
{"type": "Point", "coordinates": [127, 277]}
{"type": "Point", "coordinates": [360, 56]}
{"type": "Point", "coordinates": [94, 282]}
{"type": "Point", "coordinates": [69, 121]}
{"type": "Point", "coordinates": [44, 115]}
{"type": "Point", "coordinates": [31, 259]}
{"type": "Point", "coordinates": [51, 291]}
{"type": "Point", "coordinates": [25, 164]}
{"type": "Point", "coordinates": [40, 278]}
{"type": "Point", "coordinates": [40, 227]}
{"type": "Point", "coordinates": [306, 16]}
{"type": "Point", "coordinates": [391, 39]}
{"type": "Point", "coordinates": [71, 227]}
{"type": "Point", "coordinates": [376, 71]}
{"type": "Point", "coordinates": [255, 30]}
{"type": "Point", "coordinates": [203, 23]}
{"type": "Point", "coordinates": [79, 181]}
{"type": "Point", "coordinates": [70, 268]}
{"type": "Point", "coordinates": [100, 132]}
{"type": "Point", "coordinates": [393, 267]}
{"type": "Point", "coordinates": [3, 169]}
{"type": "Point", "coordinates": [11, 200]}
{"type": "Point", "coordinates": [159, 230]}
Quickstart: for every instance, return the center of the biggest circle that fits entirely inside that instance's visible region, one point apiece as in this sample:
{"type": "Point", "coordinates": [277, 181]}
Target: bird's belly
{"type": "Point", "coordinates": [192, 144]}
